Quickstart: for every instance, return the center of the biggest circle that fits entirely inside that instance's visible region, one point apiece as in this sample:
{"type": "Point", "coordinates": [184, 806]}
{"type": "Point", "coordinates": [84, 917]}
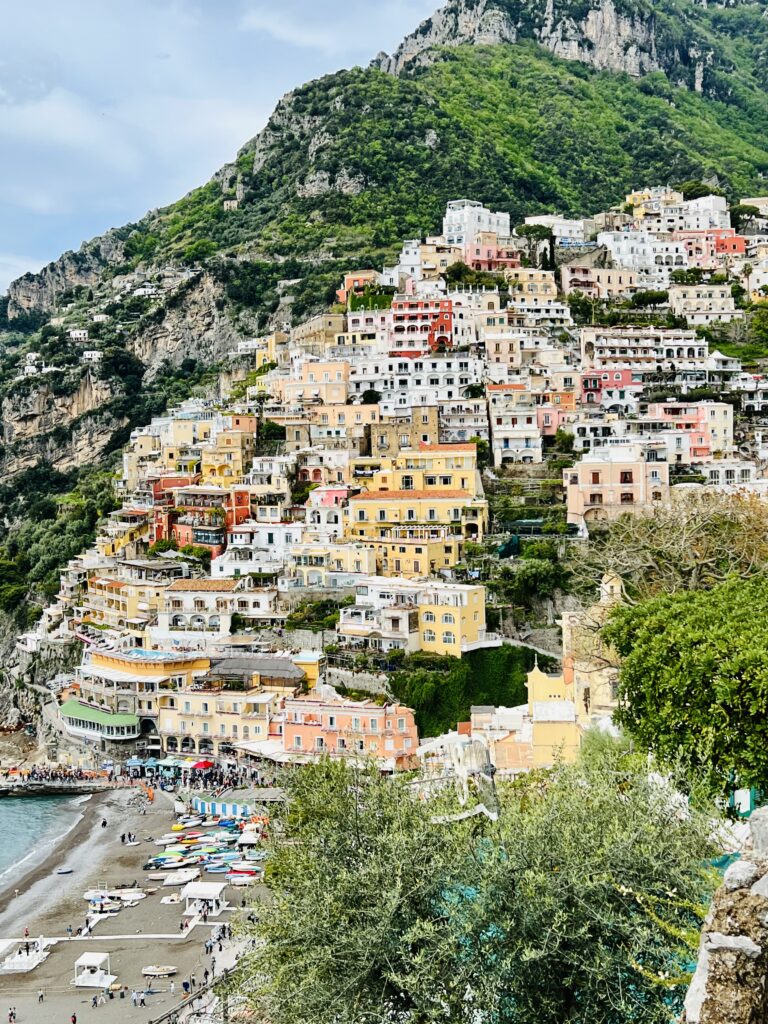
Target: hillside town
{"type": "Point", "coordinates": [279, 552]}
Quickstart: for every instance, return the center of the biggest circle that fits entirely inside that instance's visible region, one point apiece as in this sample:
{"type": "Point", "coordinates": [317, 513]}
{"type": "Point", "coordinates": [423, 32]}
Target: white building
{"type": "Point", "coordinates": [565, 231]}
{"type": "Point", "coordinates": [254, 547]}
{"type": "Point", "coordinates": [704, 303]}
{"type": "Point", "coordinates": [651, 258]}
{"type": "Point", "coordinates": [514, 431]}
{"type": "Point", "coordinates": [465, 219]}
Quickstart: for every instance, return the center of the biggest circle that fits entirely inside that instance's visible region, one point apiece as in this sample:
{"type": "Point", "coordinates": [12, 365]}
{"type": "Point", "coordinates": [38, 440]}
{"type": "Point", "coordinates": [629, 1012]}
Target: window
{"type": "Point", "coordinates": [429, 636]}
{"type": "Point", "coordinates": [319, 743]}
{"type": "Point", "coordinates": [297, 742]}
{"type": "Point", "coordinates": [401, 724]}
{"type": "Point", "coordinates": [374, 725]}
{"type": "Point", "coordinates": [449, 638]}
{"type": "Point", "coordinates": [429, 616]}
{"type": "Point", "coordinates": [448, 619]}
{"type": "Point", "coordinates": [595, 478]}
{"type": "Point", "coordinates": [626, 477]}
{"type": "Point", "coordinates": [356, 724]}
{"type": "Point", "coordinates": [331, 721]}
{"type": "Point", "coordinates": [627, 499]}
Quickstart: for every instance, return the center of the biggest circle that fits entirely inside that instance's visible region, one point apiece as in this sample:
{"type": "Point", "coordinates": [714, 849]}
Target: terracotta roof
{"type": "Point", "coordinates": [467, 447]}
{"type": "Point", "coordinates": [198, 586]}
{"type": "Point", "coordinates": [437, 495]}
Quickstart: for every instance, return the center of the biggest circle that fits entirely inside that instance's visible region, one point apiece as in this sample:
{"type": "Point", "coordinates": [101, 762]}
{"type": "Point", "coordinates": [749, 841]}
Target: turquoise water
{"type": "Point", "coordinates": [29, 827]}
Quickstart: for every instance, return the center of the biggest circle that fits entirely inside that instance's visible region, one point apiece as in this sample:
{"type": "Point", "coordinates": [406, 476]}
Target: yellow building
{"type": "Point", "coordinates": [228, 457]}
{"type": "Point", "coordinates": [555, 731]}
{"type": "Point", "coordinates": [115, 684]}
{"type": "Point", "coordinates": [235, 703]}
{"type": "Point", "coordinates": [416, 615]}
{"type": "Point", "coordinates": [431, 467]}
{"type": "Point", "coordinates": [531, 281]}
{"type": "Point", "coordinates": [412, 551]}
{"type": "Point", "coordinates": [125, 529]}
{"type": "Point", "coordinates": [372, 514]}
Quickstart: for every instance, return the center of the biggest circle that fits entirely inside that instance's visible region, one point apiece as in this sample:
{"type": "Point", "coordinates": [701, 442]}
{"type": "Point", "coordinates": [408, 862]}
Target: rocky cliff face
{"type": "Point", "coordinates": [40, 292]}
{"type": "Point", "coordinates": [607, 34]}
{"type": "Point", "coordinates": [195, 324]}
{"type": "Point", "coordinates": [65, 430]}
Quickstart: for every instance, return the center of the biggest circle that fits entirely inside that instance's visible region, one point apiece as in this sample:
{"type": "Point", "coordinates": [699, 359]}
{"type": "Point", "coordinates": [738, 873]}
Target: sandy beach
{"type": "Point", "coordinates": [147, 933]}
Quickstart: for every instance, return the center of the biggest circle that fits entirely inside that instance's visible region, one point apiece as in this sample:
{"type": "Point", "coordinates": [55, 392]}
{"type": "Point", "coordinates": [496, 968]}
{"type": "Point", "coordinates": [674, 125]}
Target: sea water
{"type": "Point", "coordinates": [30, 828]}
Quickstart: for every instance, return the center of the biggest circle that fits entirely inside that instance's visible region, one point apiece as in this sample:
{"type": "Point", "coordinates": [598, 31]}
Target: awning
{"type": "Point", "coordinates": [134, 762]}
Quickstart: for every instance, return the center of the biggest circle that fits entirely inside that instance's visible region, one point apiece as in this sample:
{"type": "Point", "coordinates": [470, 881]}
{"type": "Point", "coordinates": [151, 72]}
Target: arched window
{"type": "Point", "coordinates": [448, 619]}
{"type": "Point", "coordinates": [449, 638]}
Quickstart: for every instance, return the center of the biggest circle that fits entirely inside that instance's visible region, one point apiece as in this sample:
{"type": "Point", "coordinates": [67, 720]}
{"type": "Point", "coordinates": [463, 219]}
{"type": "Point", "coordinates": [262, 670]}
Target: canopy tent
{"type": "Point", "coordinates": [92, 970]}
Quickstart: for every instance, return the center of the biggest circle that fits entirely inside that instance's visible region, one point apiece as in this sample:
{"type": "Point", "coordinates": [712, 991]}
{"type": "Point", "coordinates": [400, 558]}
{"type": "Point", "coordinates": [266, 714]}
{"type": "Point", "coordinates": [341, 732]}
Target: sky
{"type": "Point", "coordinates": [111, 108]}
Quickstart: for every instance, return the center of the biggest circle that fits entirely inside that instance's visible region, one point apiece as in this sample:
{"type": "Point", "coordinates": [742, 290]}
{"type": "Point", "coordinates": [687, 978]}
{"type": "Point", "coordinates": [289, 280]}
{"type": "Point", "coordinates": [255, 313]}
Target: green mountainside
{"type": "Point", "coordinates": [354, 162]}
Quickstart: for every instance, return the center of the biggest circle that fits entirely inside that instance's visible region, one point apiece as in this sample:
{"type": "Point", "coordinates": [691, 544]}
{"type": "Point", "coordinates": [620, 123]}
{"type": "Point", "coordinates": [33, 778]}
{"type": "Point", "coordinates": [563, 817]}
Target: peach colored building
{"type": "Point", "coordinates": [598, 282]}
{"type": "Point", "coordinates": [614, 480]}
{"type": "Point", "coordinates": [338, 727]}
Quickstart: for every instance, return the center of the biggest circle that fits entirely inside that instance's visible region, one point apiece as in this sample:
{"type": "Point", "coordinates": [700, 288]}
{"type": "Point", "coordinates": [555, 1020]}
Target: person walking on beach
{"type": "Point", "coordinates": [173, 986]}
{"type": "Point", "coordinates": [134, 997]}
{"type": "Point", "coordinates": [141, 999]}
{"type": "Point", "coordinates": [40, 995]}
{"type": "Point", "coordinates": [73, 1019]}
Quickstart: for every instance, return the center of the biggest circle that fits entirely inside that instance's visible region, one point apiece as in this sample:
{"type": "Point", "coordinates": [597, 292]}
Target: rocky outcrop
{"type": "Point", "coordinates": [194, 323]}
{"type": "Point", "coordinates": [455, 24]}
{"type": "Point", "coordinates": [66, 430]}
{"type": "Point", "coordinates": [730, 985]}
{"type": "Point", "coordinates": [610, 35]}
{"type": "Point", "coordinates": [41, 292]}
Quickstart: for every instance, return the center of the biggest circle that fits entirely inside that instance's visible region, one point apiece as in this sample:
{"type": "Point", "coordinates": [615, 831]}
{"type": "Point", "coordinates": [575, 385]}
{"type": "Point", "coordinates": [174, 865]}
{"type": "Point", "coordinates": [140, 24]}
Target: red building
{"type": "Point", "coordinates": [202, 515]}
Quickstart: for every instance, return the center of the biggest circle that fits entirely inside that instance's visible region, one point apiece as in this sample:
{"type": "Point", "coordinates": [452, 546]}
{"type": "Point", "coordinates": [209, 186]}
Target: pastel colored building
{"type": "Point", "coordinates": [412, 615]}
{"type": "Point", "coordinates": [615, 480]}
{"type": "Point", "coordinates": [343, 728]}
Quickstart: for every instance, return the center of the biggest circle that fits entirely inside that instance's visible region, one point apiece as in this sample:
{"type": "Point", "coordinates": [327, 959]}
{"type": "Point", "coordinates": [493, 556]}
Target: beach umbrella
{"type": "Point", "coordinates": [202, 765]}
{"type": "Point", "coordinates": [151, 762]}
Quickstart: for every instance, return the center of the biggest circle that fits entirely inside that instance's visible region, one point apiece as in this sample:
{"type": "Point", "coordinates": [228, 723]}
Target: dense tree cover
{"type": "Point", "coordinates": [47, 531]}
{"type": "Point", "coordinates": [694, 678]}
{"type": "Point", "coordinates": [441, 690]}
{"type": "Point", "coordinates": [581, 905]}
{"type": "Point", "coordinates": [694, 544]}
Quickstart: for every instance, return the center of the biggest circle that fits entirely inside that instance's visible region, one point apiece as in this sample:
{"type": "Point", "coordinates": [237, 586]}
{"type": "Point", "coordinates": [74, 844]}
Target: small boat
{"type": "Point", "coordinates": [158, 971]}
{"type": "Point", "coordinates": [63, 871]}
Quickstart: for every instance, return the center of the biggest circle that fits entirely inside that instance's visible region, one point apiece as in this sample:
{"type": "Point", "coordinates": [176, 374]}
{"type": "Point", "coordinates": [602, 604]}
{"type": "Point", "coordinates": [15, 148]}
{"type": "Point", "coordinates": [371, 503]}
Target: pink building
{"type": "Point", "coordinates": [707, 249]}
{"type": "Point", "coordinates": [551, 418]}
{"type": "Point", "coordinates": [341, 727]}
{"type": "Point", "coordinates": [484, 252]}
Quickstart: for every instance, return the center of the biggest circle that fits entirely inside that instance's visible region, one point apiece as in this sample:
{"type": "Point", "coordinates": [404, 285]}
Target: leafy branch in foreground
{"type": "Point", "coordinates": [581, 904]}
{"type": "Point", "coordinates": [694, 678]}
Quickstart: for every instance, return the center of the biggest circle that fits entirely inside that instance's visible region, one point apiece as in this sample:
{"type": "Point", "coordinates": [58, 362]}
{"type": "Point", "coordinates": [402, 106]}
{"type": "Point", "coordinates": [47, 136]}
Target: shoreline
{"type": "Point", "coordinates": [149, 932]}
{"type": "Point", "coordinates": [38, 882]}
